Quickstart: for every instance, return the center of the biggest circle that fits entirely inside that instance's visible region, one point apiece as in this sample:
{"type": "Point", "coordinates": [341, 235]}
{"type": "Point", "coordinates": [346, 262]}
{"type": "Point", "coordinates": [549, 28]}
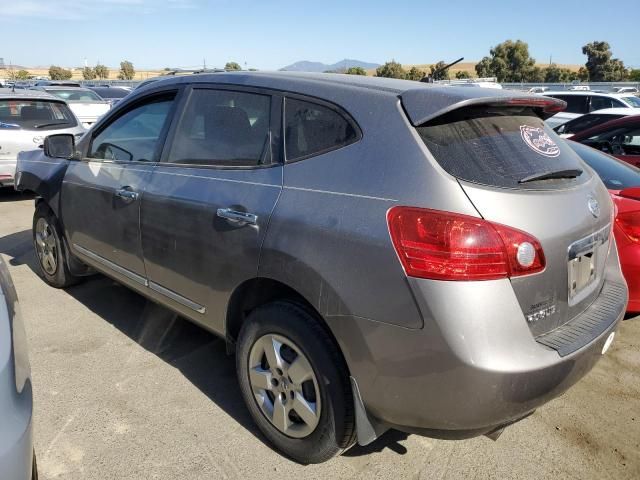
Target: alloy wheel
{"type": "Point", "coordinates": [46, 249]}
{"type": "Point", "coordinates": [284, 385]}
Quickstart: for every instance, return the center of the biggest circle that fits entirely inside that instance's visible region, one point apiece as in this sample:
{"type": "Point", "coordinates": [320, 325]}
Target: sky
{"type": "Point", "coordinates": [269, 34]}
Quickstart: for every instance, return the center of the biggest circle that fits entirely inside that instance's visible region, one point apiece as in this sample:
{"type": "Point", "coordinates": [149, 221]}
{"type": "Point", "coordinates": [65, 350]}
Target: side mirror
{"type": "Point", "coordinates": [62, 145]}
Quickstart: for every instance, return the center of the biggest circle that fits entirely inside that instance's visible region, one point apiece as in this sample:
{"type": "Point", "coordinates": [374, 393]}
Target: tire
{"type": "Point", "coordinates": [34, 468]}
{"type": "Point", "coordinates": [49, 249]}
{"type": "Point", "coordinates": [329, 390]}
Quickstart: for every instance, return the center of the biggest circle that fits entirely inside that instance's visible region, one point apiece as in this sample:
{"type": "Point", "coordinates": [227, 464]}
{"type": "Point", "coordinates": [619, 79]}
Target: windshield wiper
{"type": "Point", "coordinates": [552, 175]}
{"type": "Point", "coordinates": [42, 125]}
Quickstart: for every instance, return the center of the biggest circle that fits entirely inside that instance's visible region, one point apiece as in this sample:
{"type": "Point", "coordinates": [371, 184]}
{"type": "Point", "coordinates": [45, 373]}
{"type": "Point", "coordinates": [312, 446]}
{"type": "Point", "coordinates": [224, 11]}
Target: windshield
{"type": "Point", "coordinates": [501, 146]}
{"type": "Point", "coordinates": [615, 174]}
{"type": "Point", "coordinates": [35, 114]}
{"type": "Point", "coordinates": [633, 101]}
{"type": "Point", "coordinates": [76, 95]}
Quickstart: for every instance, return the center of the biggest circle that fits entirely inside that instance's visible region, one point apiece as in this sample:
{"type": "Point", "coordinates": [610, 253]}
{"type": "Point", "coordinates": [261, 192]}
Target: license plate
{"type": "Point", "coordinates": [582, 271]}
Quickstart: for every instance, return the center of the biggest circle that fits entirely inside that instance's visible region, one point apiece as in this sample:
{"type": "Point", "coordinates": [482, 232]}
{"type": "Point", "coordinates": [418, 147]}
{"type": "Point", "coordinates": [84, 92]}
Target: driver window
{"type": "Point", "coordinates": [133, 137]}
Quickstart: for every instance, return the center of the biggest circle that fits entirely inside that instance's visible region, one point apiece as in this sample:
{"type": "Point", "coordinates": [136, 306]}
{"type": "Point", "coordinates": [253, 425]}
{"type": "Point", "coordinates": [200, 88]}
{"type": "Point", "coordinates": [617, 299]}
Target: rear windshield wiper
{"type": "Point", "coordinates": [42, 125]}
{"type": "Point", "coordinates": [552, 175]}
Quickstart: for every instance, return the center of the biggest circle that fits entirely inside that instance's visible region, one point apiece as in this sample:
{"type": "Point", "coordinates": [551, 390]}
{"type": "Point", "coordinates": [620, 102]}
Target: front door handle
{"type": "Point", "coordinates": [127, 194]}
{"type": "Point", "coordinates": [236, 216]}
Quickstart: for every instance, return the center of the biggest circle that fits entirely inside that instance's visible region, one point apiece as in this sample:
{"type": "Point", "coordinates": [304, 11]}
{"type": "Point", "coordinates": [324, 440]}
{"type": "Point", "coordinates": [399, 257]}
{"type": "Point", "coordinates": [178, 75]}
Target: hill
{"type": "Point", "coordinates": [307, 66]}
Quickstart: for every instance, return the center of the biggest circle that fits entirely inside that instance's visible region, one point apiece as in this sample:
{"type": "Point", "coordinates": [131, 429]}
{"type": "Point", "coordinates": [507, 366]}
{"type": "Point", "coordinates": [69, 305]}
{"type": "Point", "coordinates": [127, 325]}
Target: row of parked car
{"type": "Point", "coordinates": [378, 253]}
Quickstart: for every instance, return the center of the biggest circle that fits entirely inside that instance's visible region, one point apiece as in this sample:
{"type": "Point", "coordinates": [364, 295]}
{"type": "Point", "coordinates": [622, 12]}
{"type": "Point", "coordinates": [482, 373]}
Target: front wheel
{"type": "Point", "coordinates": [50, 251]}
{"type": "Point", "coordinates": [295, 383]}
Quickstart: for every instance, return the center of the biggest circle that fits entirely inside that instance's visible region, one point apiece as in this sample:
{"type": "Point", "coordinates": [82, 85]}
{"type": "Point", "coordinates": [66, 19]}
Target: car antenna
{"type": "Point", "coordinates": [429, 78]}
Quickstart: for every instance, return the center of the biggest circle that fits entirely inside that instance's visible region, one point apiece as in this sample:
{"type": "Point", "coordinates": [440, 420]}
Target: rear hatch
{"type": "Point", "coordinates": [517, 172]}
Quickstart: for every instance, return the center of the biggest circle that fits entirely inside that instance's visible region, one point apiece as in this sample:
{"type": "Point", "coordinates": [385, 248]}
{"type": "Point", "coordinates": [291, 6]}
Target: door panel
{"type": "Point", "coordinates": [207, 206]}
{"type": "Point", "coordinates": [101, 194]}
{"type": "Point", "coordinates": [99, 221]}
{"type": "Point", "coordinates": [191, 251]}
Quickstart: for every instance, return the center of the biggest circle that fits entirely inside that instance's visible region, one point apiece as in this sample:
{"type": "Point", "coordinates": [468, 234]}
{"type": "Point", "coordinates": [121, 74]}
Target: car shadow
{"type": "Point", "coordinates": [8, 194]}
{"type": "Point", "coordinates": [198, 354]}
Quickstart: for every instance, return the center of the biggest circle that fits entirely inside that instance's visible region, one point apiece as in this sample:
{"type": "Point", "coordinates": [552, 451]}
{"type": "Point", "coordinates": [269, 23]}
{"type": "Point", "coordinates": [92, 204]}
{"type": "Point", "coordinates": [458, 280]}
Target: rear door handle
{"type": "Point", "coordinates": [237, 216]}
{"type": "Point", "coordinates": [127, 194]}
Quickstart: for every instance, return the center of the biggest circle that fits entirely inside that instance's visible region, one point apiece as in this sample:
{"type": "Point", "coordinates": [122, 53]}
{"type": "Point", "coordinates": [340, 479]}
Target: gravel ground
{"type": "Point", "coordinates": [123, 390]}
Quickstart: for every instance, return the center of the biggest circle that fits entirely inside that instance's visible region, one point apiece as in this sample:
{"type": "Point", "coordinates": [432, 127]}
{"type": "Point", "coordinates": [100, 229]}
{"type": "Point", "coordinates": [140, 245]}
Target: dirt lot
{"type": "Point", "coordinates": [123, 391]}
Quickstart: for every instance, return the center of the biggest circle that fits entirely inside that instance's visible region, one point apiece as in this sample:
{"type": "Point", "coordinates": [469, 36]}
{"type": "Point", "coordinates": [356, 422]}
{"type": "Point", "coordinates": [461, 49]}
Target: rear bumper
{"type": "Point", "coordinates": [474, 367]}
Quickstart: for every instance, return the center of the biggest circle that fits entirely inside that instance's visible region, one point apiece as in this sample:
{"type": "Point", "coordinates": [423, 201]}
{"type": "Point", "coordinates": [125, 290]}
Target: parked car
{"type": "Point", "coordinates": [17, 460]}
{"type": "Point", "coordinates": [26, 117]}
{"type": "Point", "coordinates": [380, 253]}
{"type": "Point", "coordinates": [620, 138]}
{"type": "Point", "coordinates": [625, 90]}
{"type": "Point", "coordinates": [623, 182]}
{"type": "Point", "coordinates": [57, 83]}
{"type": "Point", "coordinates": [590, 120]}
{"type": "Point", "coordinates": [84, 103]}
{"type": "Point", "coordinates": [110, 94]}
{"type": "Point", "coordinates": [583, 102]}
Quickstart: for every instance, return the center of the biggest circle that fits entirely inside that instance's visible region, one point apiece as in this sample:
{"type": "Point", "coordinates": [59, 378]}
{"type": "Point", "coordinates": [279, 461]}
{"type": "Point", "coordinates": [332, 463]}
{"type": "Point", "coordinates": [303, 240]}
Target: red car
{"type": "Point", "coordinates": [623, 183]}
{"type": "Point", "coordinates": [620, 138]}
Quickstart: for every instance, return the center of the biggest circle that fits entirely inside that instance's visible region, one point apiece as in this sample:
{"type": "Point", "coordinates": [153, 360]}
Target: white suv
{"type": "Point", "coordinates": [582, 102]}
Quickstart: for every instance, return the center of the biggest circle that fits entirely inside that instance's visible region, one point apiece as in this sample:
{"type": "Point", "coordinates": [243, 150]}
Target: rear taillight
{"type": "Point", "coordinates": [629, 223]}
{"type": "Point", "coordinates": [449, 246]}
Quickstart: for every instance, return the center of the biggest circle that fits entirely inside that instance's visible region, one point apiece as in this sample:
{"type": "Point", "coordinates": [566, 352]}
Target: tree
{"type": "Point", "coordinates": [127, 72]}
{"type": "Point", "coordinates": [59, 73]}
{"type": "Point", "coordinates": [462, 74]}
{"type": "Point", "coordinates": [355, 71]}
{"type": "Point", "coordinates": [508, 61]}
{"type": "Point", "coordinates": [437, 73]}
{"type": "Point", "coordinates": [101, 71]}
{"type": "Point", "coordinates": [415, 74]}
{"type": "Point", "coordinates": [555, 74]}
{"type": "Point", "coordinates": [88, 73]}
{"type": "Point", "coordinates": [391, 69]}
{"type": "Point", "coordinates": [19, 75]}
{"type": "Point", "coordinates": [232, 66]}
{"type": "Point", "coordinates": [600, 65]}
{"type": "Point", "coordinates": [583, 74]}
{"type": "Point", "coordinates": [634, 75]}
{"type": "Point", "coordinates": [535, 75]}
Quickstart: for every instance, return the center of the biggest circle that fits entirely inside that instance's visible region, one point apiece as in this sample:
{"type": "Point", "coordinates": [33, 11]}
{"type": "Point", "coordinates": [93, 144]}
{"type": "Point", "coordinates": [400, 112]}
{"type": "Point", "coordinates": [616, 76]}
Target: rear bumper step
{"type": "Point", "coordinates": [590, 324]}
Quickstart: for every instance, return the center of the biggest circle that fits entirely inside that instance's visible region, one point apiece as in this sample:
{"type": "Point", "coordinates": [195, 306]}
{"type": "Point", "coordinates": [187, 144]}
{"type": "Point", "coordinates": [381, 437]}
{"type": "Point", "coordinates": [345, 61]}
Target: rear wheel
{"type": "Point", "coordinates": [295, 383]}
{"type": "Point", "coordinates": [49, 248]}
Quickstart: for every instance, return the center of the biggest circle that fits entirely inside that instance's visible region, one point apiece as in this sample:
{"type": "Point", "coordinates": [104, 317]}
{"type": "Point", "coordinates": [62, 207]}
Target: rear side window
{"type": "Point", "coordinates": [223, 127]}
{"type": "Point", "coordinates": [598, 103]}
{"type": "Point", "coordinates": [312, 129]}
{"type": "Point", "coordinates": [615, 174]}
{"type": "Point", "coordinates": [34, 115]}
{"type": "Point", "coordinates": [575, 103]}
{"type": "Point", "coordinates": [502, 147]}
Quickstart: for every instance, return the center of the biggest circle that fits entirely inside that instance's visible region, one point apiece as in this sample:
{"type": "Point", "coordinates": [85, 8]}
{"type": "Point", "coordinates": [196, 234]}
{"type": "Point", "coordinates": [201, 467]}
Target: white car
{"type": "Point", "coordinates": [582, 102]}
{"type": "Point", "coordinates": [633, 90]}
{"type": "Point", "coordinates": [26, 118]}
{"type": "Point", "coordinates": [593, 119]}
{"type": "Point", "coordinates": [84, 103]}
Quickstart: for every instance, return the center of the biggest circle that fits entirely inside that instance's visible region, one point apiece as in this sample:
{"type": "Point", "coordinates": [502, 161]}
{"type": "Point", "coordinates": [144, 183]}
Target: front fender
{"type": "Point", "coordinates": [37, 173]}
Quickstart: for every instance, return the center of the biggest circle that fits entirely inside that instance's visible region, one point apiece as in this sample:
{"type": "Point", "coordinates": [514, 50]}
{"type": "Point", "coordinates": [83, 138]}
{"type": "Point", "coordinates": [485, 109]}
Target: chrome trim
{"type": "Point", "coordinates": [113, 266]}
{"type": "Point", "coordinates": [585, 245]}
{"type": "Point", "coordinates": [177, 298]}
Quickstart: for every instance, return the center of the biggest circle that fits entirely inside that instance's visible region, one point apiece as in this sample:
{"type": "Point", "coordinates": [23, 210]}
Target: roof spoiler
{"type": "Point", "coordinates": [429, 102]}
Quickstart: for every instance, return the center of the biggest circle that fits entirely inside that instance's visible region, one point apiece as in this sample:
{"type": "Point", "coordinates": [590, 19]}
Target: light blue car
{"type": "Point", "coordinates": [17, 459]}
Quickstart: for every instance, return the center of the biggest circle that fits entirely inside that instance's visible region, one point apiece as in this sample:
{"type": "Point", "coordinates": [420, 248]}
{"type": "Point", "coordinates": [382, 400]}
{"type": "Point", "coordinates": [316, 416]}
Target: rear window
{"type": "Point", "coordinates": [502, 147]}
{"type": "Point", "coordinates": [312, 129]}
{"type": "Point", "coordinates": [35, 115]}
{"type": "Point", "coordinates": [615, 174]}
{"type": "Point", "coordinates": [76, 95]}
{"type": "Point", "coordinates": [575, 103]}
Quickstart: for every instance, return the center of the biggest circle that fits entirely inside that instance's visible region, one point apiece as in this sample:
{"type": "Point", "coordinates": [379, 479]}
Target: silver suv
{"type": "Point", "coordinates": [379, 253]}
{"type": "Point", "coordinates": [26, 117]}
